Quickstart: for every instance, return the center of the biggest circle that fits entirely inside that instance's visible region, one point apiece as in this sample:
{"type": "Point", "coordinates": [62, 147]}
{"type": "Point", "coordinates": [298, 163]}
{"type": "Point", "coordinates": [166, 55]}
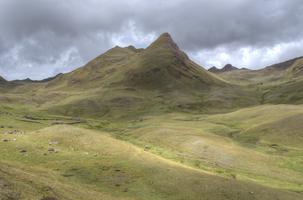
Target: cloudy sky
{"type": "Point", "coordinates": [40, 38]}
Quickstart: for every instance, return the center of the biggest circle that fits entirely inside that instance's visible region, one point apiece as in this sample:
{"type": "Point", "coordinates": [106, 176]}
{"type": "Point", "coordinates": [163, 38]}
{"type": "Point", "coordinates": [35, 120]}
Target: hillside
{"type": "Point", "coordinates": [277, 84]}
{"type": "Point", "coordinates": [68, 162]}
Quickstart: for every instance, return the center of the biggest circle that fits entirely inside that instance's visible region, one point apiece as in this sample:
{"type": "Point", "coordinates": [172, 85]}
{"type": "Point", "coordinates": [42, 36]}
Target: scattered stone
{"type": "Point", "coordinates": [251, 193]}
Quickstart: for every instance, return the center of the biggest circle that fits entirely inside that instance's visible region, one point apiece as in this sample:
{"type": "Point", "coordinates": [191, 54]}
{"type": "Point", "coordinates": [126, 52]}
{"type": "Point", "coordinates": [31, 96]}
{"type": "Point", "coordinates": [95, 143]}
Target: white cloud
{"type": "Point", "coordinates": [249, 57]}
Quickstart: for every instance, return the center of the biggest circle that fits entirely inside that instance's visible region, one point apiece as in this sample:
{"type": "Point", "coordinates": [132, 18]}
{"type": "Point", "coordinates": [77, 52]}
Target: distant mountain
{"type": "Point", "coordinates": [214, 70]}
{"type": "Point", "coordinates": [226, 68]}
{"type": "Point", "coordinates": [28, 80]}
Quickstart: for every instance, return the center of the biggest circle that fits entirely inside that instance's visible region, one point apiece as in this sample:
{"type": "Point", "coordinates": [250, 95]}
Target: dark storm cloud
{"type": "Point", "coordinates": [39, 38]}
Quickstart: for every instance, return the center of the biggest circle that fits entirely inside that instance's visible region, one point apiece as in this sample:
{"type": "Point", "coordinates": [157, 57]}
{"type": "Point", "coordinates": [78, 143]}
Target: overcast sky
{"type": "Point", "coordinates": [40, 38]}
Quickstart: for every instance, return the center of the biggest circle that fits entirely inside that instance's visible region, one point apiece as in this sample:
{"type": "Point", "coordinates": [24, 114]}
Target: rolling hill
{"type": "Point", "coordinates": [92, 165]}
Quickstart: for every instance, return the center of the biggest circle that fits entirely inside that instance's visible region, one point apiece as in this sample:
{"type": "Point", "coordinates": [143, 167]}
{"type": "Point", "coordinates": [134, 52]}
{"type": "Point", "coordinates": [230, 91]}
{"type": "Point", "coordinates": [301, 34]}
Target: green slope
{"type": "Point", "coordinates": [91, 165]}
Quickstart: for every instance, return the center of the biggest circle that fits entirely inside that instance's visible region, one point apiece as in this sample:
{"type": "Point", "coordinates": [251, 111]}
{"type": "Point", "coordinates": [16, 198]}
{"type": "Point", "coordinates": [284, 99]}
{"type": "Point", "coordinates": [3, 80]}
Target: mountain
{"type": "Point", "coordinates": [28, 80]}
{"type": "Point", "coordinates": [161, 66]}
{"type": "Point", "coordinates": [160, 78]}
{"type": "Point", "coordinates": [226, 68]}
{"type": "Point", "coordinates": [214, 69]}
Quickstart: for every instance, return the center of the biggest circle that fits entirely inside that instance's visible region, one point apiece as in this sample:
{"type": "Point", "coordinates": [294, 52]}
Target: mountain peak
{"type": "Point", "coordinates": [228, 67]}
{"type": "Point", "coordinates": [165, 41]}
{"type": "Point", "coordinates": [214, 69]}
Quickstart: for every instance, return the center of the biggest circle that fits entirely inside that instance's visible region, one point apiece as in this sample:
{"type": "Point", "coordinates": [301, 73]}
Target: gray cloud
{"type": "Point", "coordinates": [39, 38]}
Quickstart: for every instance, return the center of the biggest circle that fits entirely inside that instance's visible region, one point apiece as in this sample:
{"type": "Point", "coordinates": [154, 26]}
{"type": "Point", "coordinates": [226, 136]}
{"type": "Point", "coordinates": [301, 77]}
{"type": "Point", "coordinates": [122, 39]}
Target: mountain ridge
{"type": "Point", "coordinates": [226, 68]}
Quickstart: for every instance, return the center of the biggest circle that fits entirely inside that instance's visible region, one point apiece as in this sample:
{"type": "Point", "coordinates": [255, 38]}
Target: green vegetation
{"type": "Point", "coordinates": [151, 124]}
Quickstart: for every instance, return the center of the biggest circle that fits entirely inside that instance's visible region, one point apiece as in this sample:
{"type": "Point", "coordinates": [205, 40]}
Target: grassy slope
{"type": "Point", "coordinates": [106, 168]}
{"type": "Point", "coordinates": [227, 145]}
{"type": "Point", "coordinates": [247, 144]}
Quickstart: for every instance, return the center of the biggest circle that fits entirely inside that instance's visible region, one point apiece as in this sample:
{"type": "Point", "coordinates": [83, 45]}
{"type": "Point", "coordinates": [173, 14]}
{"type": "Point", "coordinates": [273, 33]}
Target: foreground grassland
{"type": "Point", "coordinates": [253, 153]}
